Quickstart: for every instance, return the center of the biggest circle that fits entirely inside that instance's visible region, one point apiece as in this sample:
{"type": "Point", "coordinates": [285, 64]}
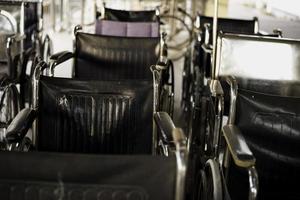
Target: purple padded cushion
{"type": "Point", "coordinates": [127, 29]}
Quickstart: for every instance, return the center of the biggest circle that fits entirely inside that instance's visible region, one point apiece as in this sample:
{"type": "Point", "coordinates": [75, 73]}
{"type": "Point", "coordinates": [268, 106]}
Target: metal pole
{"type": "Point", "coordinates": [215, 35]}
{"type": "Point", "coordinates": [82, 12]}
{"type": "Point", "coordinates": [172, 13]}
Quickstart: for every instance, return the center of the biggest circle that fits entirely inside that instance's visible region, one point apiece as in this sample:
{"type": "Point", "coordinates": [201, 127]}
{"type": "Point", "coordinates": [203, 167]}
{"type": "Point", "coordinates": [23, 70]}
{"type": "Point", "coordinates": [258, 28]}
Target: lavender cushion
{"type": "Point", "coordinates": [127, 29]}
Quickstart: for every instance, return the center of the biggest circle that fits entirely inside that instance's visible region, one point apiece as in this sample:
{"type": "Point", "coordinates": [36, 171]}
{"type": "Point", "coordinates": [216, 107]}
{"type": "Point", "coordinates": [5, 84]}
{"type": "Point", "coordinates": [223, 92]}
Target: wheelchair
{"type": "Point", "coordinates": [95, 117]}
{"type": "Point", "coordinates": [113, 114]}
{"type": "Point", "coordinates": [144, 24]}
{"type": "Point", "coordinates": [197, 64]}
{"type": "Point", "coordinates": [261, 110]}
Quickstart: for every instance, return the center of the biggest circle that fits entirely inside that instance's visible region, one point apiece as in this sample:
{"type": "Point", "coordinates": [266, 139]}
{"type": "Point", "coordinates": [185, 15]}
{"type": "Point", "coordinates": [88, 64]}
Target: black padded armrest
{"type": "Point", "coordinates": [165, 125]}
{"type": "Point", "coordinates": [238, 147]}
{"type": "Point", "coordinates": [61, 57]}
{"type": "Point", "coordinates": [20, 125]}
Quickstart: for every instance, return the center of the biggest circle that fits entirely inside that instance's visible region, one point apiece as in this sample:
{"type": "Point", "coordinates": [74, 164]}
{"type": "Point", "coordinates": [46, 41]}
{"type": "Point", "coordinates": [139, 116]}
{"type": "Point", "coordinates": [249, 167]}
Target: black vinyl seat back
{"type": "Point", "coordinates": [270, 123]}
{"type": "Point", "coordinates": [113, 58]}
{"type": "Point", "coordinates": [230, 25]}
{"type": "Point", "coordinates": [130, 16]}
{"type": "Point", "coordinates": [95, 116]}
{"type": "Point", "coordinates": [43, 176]}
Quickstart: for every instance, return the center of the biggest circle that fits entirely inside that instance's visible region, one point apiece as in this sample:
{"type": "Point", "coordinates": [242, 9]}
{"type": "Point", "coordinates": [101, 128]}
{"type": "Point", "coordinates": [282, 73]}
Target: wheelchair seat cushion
{"type": "Point", "coordinates": [40, 176]}
{"type": "Point", "coordinates": [113, 58]}
{"type": "Point", "coordinates": [271, 127]}
{"type": "Point", "coordinates": [130, 16]}
{"type": "Point", "coordinates": [112, 117]}
{"type": "Point", "coordinates": [127, 29]}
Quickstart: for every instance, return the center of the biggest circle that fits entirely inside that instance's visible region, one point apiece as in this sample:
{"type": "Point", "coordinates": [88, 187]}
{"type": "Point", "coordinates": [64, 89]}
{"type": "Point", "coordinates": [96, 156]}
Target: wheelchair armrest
{"type": "Point", "coordinates": [238, 147]}
{"type": "Point", "coordinates": [20, 125]}
{"type": "Point", "coordinates": [165, 126]}
{"type": "Point", "coordinates": [61, 57]}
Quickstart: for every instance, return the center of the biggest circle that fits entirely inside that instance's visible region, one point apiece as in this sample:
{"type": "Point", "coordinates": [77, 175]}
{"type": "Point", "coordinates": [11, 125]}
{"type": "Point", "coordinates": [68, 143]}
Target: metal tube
{"type": "Point", "coordinates": [215, 34]}
{"type": "Point", "coordinates": [233, 95]}
{"type": "Point", "coordinates": [253, 183]}
{"type": "Point", "coordinates": [155, 76]}
{"type": "Point", "coordinates": [22, 28]}
{"type": "Point", "coordinates": [218, 124]}
{"type": "Point", "coordinates": [82, 12]}
{"type": "Point", "coordinates": [53, 14]}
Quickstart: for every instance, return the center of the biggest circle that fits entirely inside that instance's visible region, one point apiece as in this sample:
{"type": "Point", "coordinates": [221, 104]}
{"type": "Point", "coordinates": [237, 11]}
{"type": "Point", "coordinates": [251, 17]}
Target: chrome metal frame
{"type": "Point", "coordinates": [233, 95]}
{"type": "Point", "coordinates": [256, 25]}
{"type": "Point", "coordinates": [215, 35]}
{"type": "Point", "coordinates": [253, 183]}
{"type": "Point", "coordinates": [181, 158]}
{"type": "Point", "coordinates": [156, 75]}
{"type": "Point", "coordinates": [37, 72]}
{"type": "Point", "coordinates": [253, 176]}
{"type": "Point", "coordinates": [217, 92]}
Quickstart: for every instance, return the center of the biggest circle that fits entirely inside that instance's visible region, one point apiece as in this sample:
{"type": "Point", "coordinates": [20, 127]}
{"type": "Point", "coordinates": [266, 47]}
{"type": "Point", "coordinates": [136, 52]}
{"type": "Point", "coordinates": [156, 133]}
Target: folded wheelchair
{"type": "Point", "coordinates": [255, 154]}
{"type": "Point", "coordinates": [197, 64]}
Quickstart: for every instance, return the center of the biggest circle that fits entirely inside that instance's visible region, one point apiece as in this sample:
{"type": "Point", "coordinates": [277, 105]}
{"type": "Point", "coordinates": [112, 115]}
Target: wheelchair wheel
{"type": "Point", "coordinates": [213, 180]}
{"type": "Point", "coordinates": [201, 193]}
{"type": "Point", "coordinates": [25, 145]}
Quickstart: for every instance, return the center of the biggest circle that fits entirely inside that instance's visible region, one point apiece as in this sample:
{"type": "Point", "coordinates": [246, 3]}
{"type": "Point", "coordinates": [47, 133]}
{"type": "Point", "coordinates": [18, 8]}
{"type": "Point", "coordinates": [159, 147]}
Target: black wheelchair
{"type": "Point", "coordinates": [110, 107]}
{"type": "Point", "coordinates": [197, 64]}
{"type": "Point", "coordinates": [261, 132]}
{"type": "Point", "coordinates": [144, 24]}
{"type": "Point", "coordinates": [121, 58]}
